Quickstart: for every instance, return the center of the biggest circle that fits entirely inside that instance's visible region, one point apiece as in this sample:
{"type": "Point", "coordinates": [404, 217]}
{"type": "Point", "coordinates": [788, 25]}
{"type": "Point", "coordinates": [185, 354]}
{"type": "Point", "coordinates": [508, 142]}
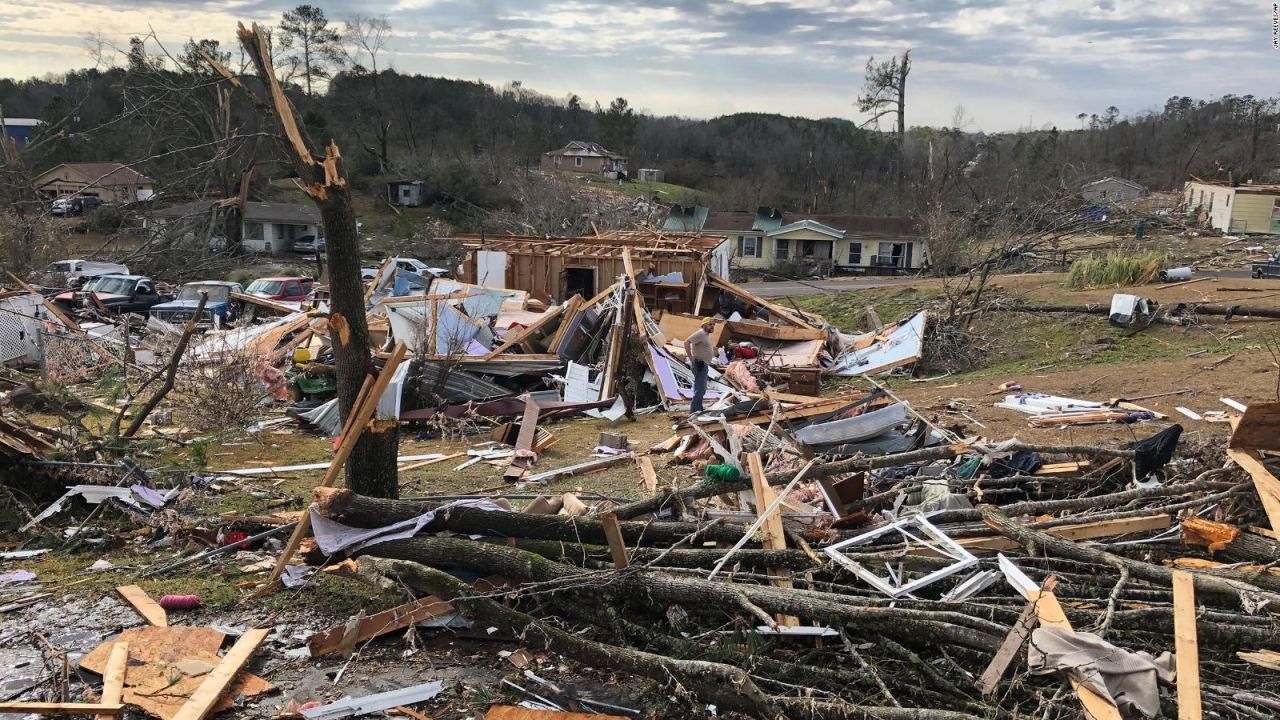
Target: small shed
{"type": "Point", "coordinates": [407, 193]}
{"type": "Point", "coordinates": [653, 175]}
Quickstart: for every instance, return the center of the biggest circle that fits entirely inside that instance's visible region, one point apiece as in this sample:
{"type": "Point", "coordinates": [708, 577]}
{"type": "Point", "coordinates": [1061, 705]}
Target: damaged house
{"type": "Point", "coordinates": [265, 227]}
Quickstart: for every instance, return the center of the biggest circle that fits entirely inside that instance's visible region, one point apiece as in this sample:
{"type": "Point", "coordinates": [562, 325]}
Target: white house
{"type": "Point", "coordinates": [265, 227]}
{"type": "Point", "coordinates": [1243, 208]}
{"type": "Point", "coordinates": [406, 193]}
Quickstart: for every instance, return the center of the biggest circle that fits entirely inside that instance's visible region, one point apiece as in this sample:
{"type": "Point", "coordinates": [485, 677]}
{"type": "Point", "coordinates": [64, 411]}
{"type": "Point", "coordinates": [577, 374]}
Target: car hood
{"type": "Point", "coordinates": [110, 297]}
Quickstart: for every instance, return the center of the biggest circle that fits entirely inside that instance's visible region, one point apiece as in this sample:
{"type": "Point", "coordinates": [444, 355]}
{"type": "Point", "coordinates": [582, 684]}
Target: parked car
{"type": "Point", "coordinates": [287, 289]}
{"type": "Point", "coordinates": [75, 273]}
{"type": "Point", "coordinates": [67, 206]}
{"type": "Point", "coordinates": [1269, 268]}
{"type": "Point", "coordinates": [114, 294]}
{"type": "Point", "coordinates": [218, 309]}
{"type": "Point", "coordinates": [309, 244]}
{"type": "Point", "coordinates": [368, 273]}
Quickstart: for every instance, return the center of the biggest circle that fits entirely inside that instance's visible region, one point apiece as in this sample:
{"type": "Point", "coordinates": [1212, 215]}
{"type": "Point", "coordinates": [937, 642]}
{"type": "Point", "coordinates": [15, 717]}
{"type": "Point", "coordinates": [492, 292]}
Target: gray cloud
{"type": "Point", "coordinates": [1008, 61]}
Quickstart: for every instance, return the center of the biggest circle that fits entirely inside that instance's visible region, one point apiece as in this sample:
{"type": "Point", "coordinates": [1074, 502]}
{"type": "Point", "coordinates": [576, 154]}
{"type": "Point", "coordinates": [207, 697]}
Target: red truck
{"type": "Point", "coordinates": [287, 289]}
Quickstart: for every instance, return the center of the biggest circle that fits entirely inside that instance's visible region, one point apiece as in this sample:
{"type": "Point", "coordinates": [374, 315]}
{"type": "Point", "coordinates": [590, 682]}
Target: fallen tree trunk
{"type": "Point", "coordinates": [942, 452]}
{"type": "Point", "coordinates": [1234, 543]}
{"type": "Point", "coordinates": [637, 582]}
{"type": "Point", "coordinates": [1045, 543]}
{"type": "Point", "coordinates": [370, 512]}
{"type": "Point", "coordinates": [726, 686]}
{"type": "Point", "coordinates": [1237, 311]}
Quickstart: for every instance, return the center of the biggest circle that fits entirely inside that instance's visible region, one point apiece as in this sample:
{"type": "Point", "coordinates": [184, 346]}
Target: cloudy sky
{"type": "Point", "coordinates": [1010, 63]}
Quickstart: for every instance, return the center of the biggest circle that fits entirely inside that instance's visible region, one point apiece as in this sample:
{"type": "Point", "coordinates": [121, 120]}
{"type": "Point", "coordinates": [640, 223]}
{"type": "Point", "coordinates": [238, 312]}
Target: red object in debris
{"type": "Point", "coordinates": [745, 353]}
{"type": "Point", "coordinates": [232, 537]}
{"type": "Point", "coordinates": [180, 602]}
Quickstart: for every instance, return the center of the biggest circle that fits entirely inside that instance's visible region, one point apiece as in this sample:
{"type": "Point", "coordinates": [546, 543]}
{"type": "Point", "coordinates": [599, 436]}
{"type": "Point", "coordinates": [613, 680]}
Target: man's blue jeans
{"type": "Point", "coordinates": [700, 371]}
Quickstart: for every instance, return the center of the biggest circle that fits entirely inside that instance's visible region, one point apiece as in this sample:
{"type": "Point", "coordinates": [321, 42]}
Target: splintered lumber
{"type": "Point", "coordinates": [328, 641]}
{"type": "Point", "coordinates": [1258, 428]}
{"type": "Point", "coordinates": [113, 678]}
{"type": "Point", "coordinates": [764, 516]}
{"type": "Point", "coordinates": [361, 413]}
{"type": "Point", "coordinates": [518, 336]}
{"type": "Point", "coordinates": [775, 538]}
{"type": "Point", "coordinates": [202, 701]}
{"type": "Point", "coordinates": [613, 534]}
{"type": "Point", "coordinates": [50, 306]}
{"type": "Point", "coordinates": [1229, 540]}
{"type": "Point", "coordinates": [144, 605]}
{"type": "Point", "coordinates": [1187, 662]}
{"type": "Point", "coordinates": [51, 708]}
{"type": "Point", "coordinates": [1049, 612]}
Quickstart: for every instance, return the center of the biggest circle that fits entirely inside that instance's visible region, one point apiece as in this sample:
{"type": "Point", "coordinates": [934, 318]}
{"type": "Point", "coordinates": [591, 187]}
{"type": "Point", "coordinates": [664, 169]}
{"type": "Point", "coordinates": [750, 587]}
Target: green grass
{"type": "Point", "coordinates": [847, 310]}
{"type": "Point", "coordinates": [1115, 270]}
{"type": "Point", "coordinates": [667, 192]}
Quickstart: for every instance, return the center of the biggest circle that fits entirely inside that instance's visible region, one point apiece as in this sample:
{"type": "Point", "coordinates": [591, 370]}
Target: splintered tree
{"type": "Point", "coordinates": [885, 93]}
{"type": "Point", "coordinates": [372, 465]}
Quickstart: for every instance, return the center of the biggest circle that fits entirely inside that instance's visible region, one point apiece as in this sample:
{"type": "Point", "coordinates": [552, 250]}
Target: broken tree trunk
{"type": "Point", "coordinates": [368, 512]}
{"type": "Point", "coordinates": [372, 468]}
{"type": "Point", "coordinates": [1105, 309]}
{"type": "Point", "coordinates": [726, 686]}
{"type": "Point", "coordinates": [1060, 547]}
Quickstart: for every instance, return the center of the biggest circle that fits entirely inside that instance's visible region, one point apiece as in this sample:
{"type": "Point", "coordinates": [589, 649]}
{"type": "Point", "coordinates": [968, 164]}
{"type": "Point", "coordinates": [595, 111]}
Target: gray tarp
{"type": "Point", "coordinates": [1123, 677]}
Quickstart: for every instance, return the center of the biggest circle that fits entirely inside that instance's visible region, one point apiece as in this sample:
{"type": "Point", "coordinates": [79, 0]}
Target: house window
{"type": "Point", "coordinates": [891, 254]}
{"type": "Point", "coordinates": [577, 162]}
{"type": "Point", "coordinates": [253, 231]}
{"type": "Point", "coordinates": [781, 249]}
{"type": "Point", "coordinates": [855, 253]}
{"type": "Point", "coordinates": [404, 193]}
{"type": "Point", "coordinates": [748, 246]}
{"type": "Point", "coordinates": [1103, 194]}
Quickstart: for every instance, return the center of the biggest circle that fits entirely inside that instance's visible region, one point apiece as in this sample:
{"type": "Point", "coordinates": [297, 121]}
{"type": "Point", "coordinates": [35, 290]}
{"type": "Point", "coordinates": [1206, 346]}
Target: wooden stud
{"type": "Point", "coordinates": [357, 421]}
{"type": "Point", "coordinates": [613, 534]}
{"type": "Point", "coordinates": [1264, 482]}
{"type": "Point", "coordinates": [144, 605]}
{"type": "Point", "coordinates": [1012, 644]}
{"type": "Point", "coordinates": [524, 441]}
{"type": "Point", "coordinates": [113, 678]}
{"type": "Point", "coordinates": [775, 537]}
{"type": "Point", "coordinates": [203, 700]}
{"type": "Point", "coordinates": [52, 708]}
{"type": "Point", "coordinates": [1187, 658]}
{"type": "Point", "coordinates": [1050, 613]}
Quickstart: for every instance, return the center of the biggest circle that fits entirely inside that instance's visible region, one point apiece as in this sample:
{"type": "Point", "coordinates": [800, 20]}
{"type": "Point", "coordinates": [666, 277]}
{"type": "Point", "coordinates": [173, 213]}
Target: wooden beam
{"type": "Point", "coordinates": [1012, 645]}
{"type": "Point", "coordinates": [113, 678]}
{"type": "Point", "coordinates": [1264, 482]}
{"type": "Point", "coordinates": [201, 703]}
{"type": "Point", "coordinates": [49, 708]}
{"type": "Point", "coordinates": [328, 641]}
{"type": "Point", "coordinates": [519, 336]}
{"type": "Point", "coordinates": [775, 537]}
{"type": "Point", "coordinates": [1187, 646]}
{"type": "Point", "coordinates": [1050, 614]}
{"type": "Point", "coordinates": [1258, 428]}
{"type": "Point", "coordinates": [524, 441]}
{"type": "Point", "coordinates": [50, 306]}
{"type": "Point", "coordinates": [357, 421]}
{"type": "Point", "coordinates": [1079, 531]}
{"type": "Point", "coordinates": [144, 605]}
{"type": "Point", "coordinates": [613, 534]}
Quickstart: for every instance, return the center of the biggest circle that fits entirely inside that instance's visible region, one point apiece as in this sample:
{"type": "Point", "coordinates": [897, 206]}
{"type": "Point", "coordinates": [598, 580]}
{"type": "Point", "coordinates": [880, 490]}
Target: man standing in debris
{"type": "Point", "coordinates": [697, 348]}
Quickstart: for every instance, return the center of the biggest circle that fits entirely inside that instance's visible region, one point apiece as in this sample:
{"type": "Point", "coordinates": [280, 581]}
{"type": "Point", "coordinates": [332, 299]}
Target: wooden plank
{"type": "Point", "coordinates": [50, 306]}
{"type": "Point", "coordinates": [775, 537]}
{"type": "Point", "coordinates": [647, 474]}
{"type": "Point", "coordinates": [788, 333]}
{"type": "Point", "coordinates": [1011, 646]}
{"type": "Point", "coordinates": [49, 708]}
{"type": "Point", "coordinates": [1080, 531]}
{"type": "Point", "coordinates": [1187, 647]}
{"type": "Point", "coordinates": [519, 336]}
{"type": "Point", "coordinates": [1049, 612]}
{"type": "Point", "coordinates": [357, 421]}
{"type": "Point", "coordinates": [326, 642]}
{"type": "Point", "coordinates": [1264, 482]}
{"type": "Point", "coordinates": [144, 605]}
{"type": "Point", "coordinates": [524, 441]}
{"type": "Point", "coordinates": [613, 534]}
{"type": "Point", "coordinates": [203, 700]}
{"type": "Point", "coordinates": [512, 712]}
{"type": "Point", "coordinates": [113, 678]}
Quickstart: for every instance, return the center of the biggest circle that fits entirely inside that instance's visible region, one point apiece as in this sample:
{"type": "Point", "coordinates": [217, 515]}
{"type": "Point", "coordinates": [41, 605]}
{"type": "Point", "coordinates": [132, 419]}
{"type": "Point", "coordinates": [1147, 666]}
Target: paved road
{"type": "Point", "coordinates": [797, 288]}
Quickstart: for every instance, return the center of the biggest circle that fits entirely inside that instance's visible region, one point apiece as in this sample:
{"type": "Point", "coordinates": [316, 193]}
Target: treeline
{"type": "Point", "coordinates": [164, 111]}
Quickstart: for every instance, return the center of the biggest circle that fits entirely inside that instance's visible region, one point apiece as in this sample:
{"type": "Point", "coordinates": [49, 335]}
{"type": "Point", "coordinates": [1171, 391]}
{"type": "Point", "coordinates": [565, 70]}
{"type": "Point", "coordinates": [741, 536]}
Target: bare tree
{"type": "Point", "coordinates": [371, 468]}
{"type": "Point", "coordinates": [366, 37]}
